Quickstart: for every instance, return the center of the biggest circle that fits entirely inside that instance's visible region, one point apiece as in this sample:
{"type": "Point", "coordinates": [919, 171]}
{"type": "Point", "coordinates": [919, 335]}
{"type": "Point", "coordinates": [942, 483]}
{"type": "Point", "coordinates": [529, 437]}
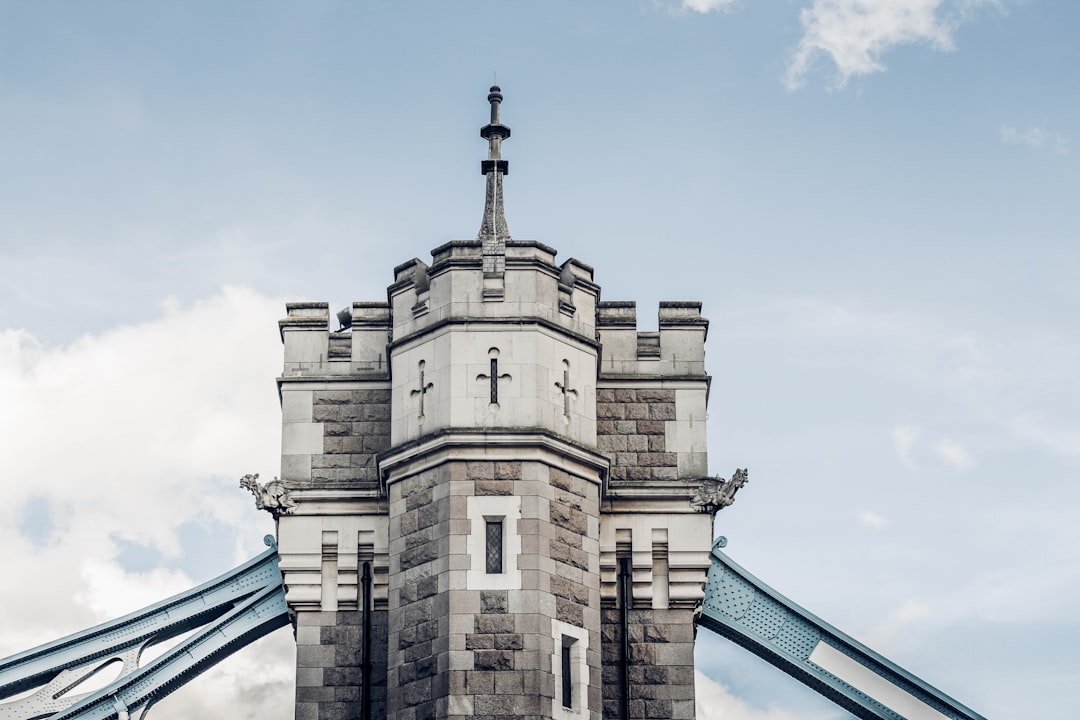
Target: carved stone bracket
{"type": "Point", "coordinates": [272, 497]}
{"type": "Point", "coordinates": [714, 494]}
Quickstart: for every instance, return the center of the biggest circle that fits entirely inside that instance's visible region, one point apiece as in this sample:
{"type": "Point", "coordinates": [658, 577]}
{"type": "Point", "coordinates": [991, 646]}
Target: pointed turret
{"type": "Point", "coordinates": [493, 230]}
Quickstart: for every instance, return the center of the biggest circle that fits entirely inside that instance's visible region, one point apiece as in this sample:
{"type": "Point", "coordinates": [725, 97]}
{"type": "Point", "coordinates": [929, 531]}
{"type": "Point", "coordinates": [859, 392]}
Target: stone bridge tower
{"type": "Point", "coordinates": [493, 472]}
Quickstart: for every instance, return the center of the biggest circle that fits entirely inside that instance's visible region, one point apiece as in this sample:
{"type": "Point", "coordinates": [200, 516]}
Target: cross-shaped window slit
{"type": "Point", "coordinates": [422, 390]}
{"type": "Point", "coordinates": [568, 393]}
{"type": "Point", "coordinates": [493, 378]}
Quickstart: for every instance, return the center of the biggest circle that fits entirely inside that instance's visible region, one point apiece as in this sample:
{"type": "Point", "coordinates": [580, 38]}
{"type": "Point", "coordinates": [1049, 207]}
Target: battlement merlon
{"type": "Point", "coordinates": [455, 288]}
{"type": "Point", "coordinates": [311, 349]}
{"type": "Point", "coordinates": [370, 333]}
{"type": "Point", "coordinates": [676, 350]}
{"type": "Point", "coordinates": [304, 331]}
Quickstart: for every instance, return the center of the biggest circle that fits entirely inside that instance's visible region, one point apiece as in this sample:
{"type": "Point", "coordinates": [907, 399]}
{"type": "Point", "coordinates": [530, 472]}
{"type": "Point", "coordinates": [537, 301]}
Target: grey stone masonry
{"type": "Point", "coordinates": [458, 649]}
{"type": "Point", "coordinates": [418, 641]}
{"type": "Point", "coordinates": [630, 428]}
{"type": "Point", "coordinates": [356, 426]}
{"type": "Point", "coordinates": [328, 665]}
{"type": "Point", "coordinates": [661, 664]}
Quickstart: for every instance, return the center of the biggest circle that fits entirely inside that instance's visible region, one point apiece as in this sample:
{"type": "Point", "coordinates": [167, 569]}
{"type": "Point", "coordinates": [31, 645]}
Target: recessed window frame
{"type": "Point", "coordinates": [570, 651]}
{"type": "Point", "coordinates": [494, 545]}
{"type": "Point", "coordinates": [479, 508]}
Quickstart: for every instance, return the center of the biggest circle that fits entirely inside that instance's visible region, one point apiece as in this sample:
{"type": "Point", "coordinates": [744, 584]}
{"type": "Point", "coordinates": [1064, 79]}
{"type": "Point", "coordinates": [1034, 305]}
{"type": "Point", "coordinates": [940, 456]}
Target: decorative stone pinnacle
{"type": "Point", "coordinates": [493, 229]}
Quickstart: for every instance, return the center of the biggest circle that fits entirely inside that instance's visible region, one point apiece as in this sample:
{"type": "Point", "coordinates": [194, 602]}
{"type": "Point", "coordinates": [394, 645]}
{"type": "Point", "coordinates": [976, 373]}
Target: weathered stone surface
{"type": "Point", "coordinates": [568, 611]}
{"type": "Point", "coordinates": [479, 641]}
{"type": "Point", "coordinates": [569, 518]}
{"type": "Point", "coordinates": [494, 660]}
{"type": "Point", "coordinates": [493, 601]}
{"type": "Point", "coordinates": [328, 673]}
{"type": "Point", "coordinates": [565, 588]}
{"type": "Point", "coordinates": [494, 487]}
{"type": "Point", "coordinates": [662, 663]}
{"type": "Point", "coordinates": [508, 641]}
{"type": "Point", "coordinates": [494, 623]}
{"type": "Point", "coordinates": [561, 552]}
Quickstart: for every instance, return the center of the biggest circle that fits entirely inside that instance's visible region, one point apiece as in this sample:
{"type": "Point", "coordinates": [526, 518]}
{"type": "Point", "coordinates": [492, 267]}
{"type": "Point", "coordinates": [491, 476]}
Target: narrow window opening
{"type": "Point", "coordinates": [567, 673]}
{"type": "Point", "coordinates": [494, 381]}
{"type": "Point", "coordinates": [494, 527]}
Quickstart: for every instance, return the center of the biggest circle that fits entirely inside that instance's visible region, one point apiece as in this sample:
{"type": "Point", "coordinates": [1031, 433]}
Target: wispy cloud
{"type": "Point", "coordinates": [954, 454]}
{"type": "Point", "coordinates": [872, 519]}
{"type": "Point", "coordinates": [855, 34]}
{"type": "Point", "coordinates": [715, 702]}
{"type": "Point", "coordinates": [707, 6]}
{"type": "Point", "coordinates": [899, 622]}
{"type": "Point", "coordinates": [1036, 138]}
{"type": "Point", "coordinates": [903, 438]}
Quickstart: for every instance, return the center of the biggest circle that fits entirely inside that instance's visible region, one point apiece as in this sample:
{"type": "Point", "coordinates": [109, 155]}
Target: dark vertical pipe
{"type": "Point", "coordinates": [626, 599]}
{"type": "Point", "coordinates": [365, 653]}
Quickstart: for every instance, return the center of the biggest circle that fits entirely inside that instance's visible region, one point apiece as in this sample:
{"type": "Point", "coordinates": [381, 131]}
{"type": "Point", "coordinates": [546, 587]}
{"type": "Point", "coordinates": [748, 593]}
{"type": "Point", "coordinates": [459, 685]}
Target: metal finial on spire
{"type": "Point", "coordinates": [493, 229]}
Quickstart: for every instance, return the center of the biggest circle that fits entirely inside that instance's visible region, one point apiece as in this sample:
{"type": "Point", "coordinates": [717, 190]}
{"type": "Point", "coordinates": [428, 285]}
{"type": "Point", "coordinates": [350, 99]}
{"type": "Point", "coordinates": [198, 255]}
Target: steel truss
{"type": "Point", "coordinates": [747, 611]}
{"type": "Point", "coordinates": [226, 614]}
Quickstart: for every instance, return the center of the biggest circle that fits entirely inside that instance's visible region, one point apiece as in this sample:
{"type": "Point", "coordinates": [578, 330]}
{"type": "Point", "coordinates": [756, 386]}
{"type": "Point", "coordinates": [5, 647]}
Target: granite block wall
{"type": "Point", "coordinates": [661, 664]}
{"type": "Point", "coordinates": [328, 664]}
{"type": "Point", "coordinates": [461, 651]}
{"type": "Point", "coordinates": [356, 426]}
{"type": "Point", "coordinates": [419, 634]}
{"type": "Point", "coordinates": [631, 429]}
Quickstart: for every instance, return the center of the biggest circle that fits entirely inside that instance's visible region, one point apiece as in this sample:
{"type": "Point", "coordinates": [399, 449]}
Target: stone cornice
{"type": "Point", "coordinates": [510, 445]}
{"type": "Point", "coordinates": [516, 323]}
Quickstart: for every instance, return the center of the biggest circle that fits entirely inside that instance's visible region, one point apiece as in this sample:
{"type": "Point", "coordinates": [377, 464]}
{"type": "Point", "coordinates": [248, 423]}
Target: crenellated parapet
{"type": "Point", "coordinates": [312, 349]}
{"type": "Point", "coordinates": [652, 391]}
{"type": "Point", "coordinates": [451, 288]}
{"type": "Point", "coordinates": [676, 350]}
{"type": "Point", "coordinates": [463, 361]}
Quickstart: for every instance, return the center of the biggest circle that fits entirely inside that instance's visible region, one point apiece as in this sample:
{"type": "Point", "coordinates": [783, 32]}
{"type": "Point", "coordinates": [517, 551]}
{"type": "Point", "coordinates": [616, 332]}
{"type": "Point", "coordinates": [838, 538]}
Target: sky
{"type": "Point", "coordinates": [875, 200]}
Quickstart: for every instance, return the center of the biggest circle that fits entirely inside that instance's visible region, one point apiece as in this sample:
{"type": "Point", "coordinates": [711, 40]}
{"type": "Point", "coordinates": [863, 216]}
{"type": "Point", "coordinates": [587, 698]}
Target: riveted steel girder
{"type": "Point", "coordinates": [222, 615]}
{"type": "Point", "coordinates": [747, 611]}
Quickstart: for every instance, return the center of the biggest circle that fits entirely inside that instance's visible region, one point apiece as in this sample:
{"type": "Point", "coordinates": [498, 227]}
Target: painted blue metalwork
{"type": "Point", "coordinates": [745, 610]}
{"type": "Point", "coordinates": [226, 614]}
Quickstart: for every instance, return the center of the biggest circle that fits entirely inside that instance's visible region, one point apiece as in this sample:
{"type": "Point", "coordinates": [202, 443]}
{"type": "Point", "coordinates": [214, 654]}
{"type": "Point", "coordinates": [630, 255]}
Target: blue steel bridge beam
{"type": "Point", "coordinates": [233, 610]}
{"type": "Point", "coordinates": [748, 612]}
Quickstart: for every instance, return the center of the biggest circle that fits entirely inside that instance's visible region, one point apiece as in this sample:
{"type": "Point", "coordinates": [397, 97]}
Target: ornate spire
{"type": "Point", "coordinates": [493, 230]}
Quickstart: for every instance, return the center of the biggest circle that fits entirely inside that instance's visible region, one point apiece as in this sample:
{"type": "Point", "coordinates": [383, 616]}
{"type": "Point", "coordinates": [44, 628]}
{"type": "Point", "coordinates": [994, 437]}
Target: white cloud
{"type": "Point", "coordinates": [904, 438]}
{"type": "Point", "coordinates": [707, 6]}
{"type": "Point", "coordinates": [954, 454]}
{"type": "Point", "coordinates": [899, 623]}
{"type": "Point", "coordinates": [715, 702]}
{"type": "Point", "coordinates": [139, 434]}
{"type": "Point", "coordinates": [872, 519]}
{"type": "Point", "coordinates": [1036, 138]}
{"type": "Point", "coordinates": [855, 34]}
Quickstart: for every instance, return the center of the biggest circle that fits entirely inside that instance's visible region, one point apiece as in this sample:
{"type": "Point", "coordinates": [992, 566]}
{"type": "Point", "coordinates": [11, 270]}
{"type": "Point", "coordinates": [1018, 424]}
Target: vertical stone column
{"type": "Point", "coordinates": [466, 643]}
{"type": "Point", "coordinates": [419, 601]}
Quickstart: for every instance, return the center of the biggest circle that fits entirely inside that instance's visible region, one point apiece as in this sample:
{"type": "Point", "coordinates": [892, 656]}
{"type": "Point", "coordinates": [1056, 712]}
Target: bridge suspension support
{"type": "Point", "coordinates": [747, 611]}
{"type": "Point", "coordinates": [228, 613]}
